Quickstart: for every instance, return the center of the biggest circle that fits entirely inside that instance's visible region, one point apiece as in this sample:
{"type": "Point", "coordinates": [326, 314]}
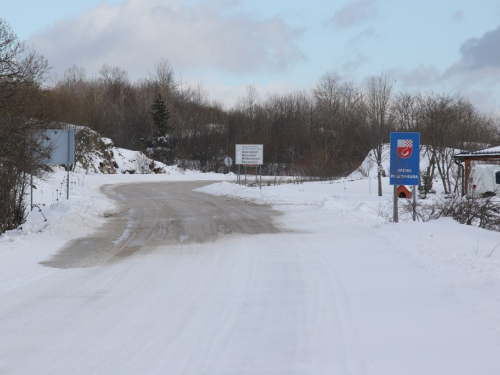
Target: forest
{"type": "Point", "coordinates": [324, 132]}
{"type": "Point", "coordinates": [320, 133]}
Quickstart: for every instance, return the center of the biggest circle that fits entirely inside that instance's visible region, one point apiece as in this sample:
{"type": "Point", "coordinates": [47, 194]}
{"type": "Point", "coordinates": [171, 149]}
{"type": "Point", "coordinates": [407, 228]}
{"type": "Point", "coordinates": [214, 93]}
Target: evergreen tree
{"type": "Point", "coordinates": [160, 115]}
{"type": "Point", "coordinates": [162, 145]}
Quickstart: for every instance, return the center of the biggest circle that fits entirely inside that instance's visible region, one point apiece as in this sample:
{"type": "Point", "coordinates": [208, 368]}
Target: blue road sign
{"type": "Point", "coordinates": [405, 159]}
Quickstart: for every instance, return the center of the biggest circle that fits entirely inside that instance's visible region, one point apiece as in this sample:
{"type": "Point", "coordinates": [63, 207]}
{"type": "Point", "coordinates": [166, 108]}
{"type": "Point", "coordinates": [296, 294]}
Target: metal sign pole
{"type": "Point", "coordinates": [67, 165]}
{"type": "Point", "coordinates": [62, 149]}
{"type": "Point", "coordinates": [260, 166]}
{"type": "Point", "coordinates": [31, 191]}
{"type": "Point", "coordinates": [414, 203]}
{"type": "Point", "coordinates": [395, 206]}
{"type": "Point", "coordinates": [67, 182]}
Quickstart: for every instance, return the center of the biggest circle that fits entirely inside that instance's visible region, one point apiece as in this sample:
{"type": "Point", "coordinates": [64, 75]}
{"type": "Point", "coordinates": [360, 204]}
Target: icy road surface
{"type": "Point", "coordinates": [160, 214]}
{"type": "Point", "coordinates": [182, 283]}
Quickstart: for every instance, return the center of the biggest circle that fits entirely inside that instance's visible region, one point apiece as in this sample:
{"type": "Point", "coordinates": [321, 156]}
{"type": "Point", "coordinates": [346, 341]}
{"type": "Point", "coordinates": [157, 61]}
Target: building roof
{"type": "Point", "coordinates": [487, 153]}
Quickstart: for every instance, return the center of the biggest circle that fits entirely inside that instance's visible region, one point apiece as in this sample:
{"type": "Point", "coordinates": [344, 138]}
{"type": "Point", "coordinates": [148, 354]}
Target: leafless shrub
{"type": "Point", "coordinates": [424, 211]}
{"type": "Point", "coordinates": [276, 180]}
{"type": "Point", "coordinates": [482, 212]}
{"type": "Point", "coordinates": [385, 212]}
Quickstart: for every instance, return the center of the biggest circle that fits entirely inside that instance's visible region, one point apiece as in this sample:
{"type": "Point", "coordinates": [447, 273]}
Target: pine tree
{"type": "Point", "coordinates": [160, 115]}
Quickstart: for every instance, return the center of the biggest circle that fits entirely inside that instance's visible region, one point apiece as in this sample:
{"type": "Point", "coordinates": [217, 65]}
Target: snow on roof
{"type": "Point", "coordinates": [492, 151]}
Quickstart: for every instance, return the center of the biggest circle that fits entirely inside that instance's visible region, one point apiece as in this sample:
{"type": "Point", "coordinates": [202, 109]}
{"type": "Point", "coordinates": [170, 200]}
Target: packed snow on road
{"type": "Point", "coordinates": [338, 289]}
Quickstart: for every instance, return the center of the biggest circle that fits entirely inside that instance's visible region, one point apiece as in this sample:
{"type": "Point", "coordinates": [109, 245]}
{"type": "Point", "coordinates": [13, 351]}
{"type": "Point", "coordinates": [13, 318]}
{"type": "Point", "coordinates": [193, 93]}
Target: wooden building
{"type": "Point", "coordinates": [465, 158]}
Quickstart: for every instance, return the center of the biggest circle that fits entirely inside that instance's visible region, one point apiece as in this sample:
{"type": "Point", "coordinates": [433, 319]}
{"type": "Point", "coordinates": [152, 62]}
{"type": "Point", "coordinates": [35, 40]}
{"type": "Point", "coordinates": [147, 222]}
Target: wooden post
{"type": "Point", "coordinates": [466, 175]}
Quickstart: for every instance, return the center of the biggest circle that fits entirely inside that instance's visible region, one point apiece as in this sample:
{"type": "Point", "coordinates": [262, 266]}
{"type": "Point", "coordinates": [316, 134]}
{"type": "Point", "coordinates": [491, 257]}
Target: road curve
{"type": "Point", "coordinates": [159, 214]}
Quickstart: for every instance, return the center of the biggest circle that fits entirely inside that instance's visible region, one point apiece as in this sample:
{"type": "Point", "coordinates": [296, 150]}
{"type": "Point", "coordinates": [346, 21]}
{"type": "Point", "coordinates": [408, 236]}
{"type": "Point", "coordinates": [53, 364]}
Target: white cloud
{"type": "Point", "coordinates": [419, 77]}
{"type": "Point", "coordinates": [366, 33]}
{"type": "Point", "coordinates": [480, 87]}
{"type": "Point", "coordinates": [229, 95]}
{"type": "Point", "coordinates": [138, 33]}
{"type": "Point", "coordinates": [353, 63]}
{"type": "Point", "coordinates": [479, 54]}
{"type": "Point", "coordinates": [354, 13]}
{"type": "Point", "coordinates": [458, 16]}
{"type": "Point", "coordinates": [477, 73]}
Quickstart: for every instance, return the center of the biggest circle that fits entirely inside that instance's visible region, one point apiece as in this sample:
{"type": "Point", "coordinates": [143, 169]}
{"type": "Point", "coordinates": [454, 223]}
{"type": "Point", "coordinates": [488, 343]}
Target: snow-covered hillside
{"type": "Point", "coordinates": [369, 167]}
{"type": "Point", "coordinates": [96, 154]}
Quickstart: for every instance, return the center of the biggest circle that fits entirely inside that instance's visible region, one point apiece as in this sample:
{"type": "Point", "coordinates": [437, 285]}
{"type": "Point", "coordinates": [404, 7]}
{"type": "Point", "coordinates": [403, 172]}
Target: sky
{"type": "Point", "coordinates": [278, 46]}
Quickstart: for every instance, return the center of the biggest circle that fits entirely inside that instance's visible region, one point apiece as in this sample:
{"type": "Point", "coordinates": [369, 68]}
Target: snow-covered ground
{"type": "Point", "coordinates": [56, 220]}
{"type": "Point", "coordinates": [411, 298]}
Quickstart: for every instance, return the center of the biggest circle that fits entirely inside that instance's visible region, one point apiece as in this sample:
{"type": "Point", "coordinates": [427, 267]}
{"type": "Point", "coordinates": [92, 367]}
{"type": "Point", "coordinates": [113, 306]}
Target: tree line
{"type": "Point", "coordinates": [324, 132]}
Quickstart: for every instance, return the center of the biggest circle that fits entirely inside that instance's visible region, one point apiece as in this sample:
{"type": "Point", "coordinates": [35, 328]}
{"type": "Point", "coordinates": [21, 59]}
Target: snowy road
{"type": "Point", "coordinates": [159, 214]}
{"type": "Point", "coordinates": [164, 299]}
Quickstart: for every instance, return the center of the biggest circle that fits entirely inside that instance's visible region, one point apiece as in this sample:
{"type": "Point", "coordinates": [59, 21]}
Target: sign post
{"type": "Point", "coordinates": [404, 165]}
{"type": "Point", "coordinates": [62, 144]}
{"type": "Point", "coordinates": [228, 162]}
{"type": "Point", "coordinates": [250, 155]}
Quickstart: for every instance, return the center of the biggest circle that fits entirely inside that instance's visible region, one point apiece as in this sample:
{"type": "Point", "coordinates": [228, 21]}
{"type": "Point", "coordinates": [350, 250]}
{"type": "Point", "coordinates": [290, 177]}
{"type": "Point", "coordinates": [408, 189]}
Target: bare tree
{"type": "Point", "coordinates": [407, 111]}
{"type": "Point", "coordinates": [21, 153]}
{"type": "Point", "coordinates": [337, 116]}
{"type": "Point", "coordinates": [164, 77]}
{"type": "Point", "coordinates": [19, 66]}
{"type": "Point", "coordinates": [379, 118]}
{"type": "Point", "coordinates": [74, 78]}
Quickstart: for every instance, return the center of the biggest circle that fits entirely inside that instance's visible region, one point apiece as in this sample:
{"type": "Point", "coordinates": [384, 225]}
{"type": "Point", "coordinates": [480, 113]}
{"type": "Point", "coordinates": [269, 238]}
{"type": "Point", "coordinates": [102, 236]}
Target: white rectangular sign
{"type": "Point", "coordinates": [62, 143]}
{"type": "Point", "coordinates": [250, 154]}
